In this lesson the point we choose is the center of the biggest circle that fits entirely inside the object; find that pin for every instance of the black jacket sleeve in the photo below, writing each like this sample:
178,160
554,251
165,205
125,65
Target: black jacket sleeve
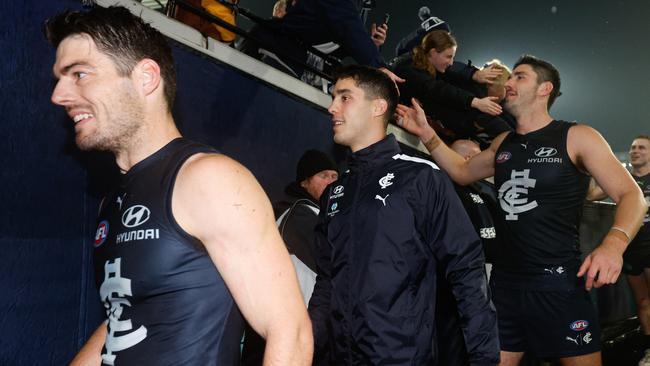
458,251
460,73
319,304
430,90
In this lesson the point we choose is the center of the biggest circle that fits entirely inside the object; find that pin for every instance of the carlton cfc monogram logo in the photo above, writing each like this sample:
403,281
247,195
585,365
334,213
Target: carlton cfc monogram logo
135,216
385,181
512,194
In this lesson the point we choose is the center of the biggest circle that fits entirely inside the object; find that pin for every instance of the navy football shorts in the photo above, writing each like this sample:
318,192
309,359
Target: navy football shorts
636,257
547,324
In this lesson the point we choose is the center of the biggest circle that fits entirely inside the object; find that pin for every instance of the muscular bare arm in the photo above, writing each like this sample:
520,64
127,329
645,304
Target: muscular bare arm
589,150
219,202
460,170
91,353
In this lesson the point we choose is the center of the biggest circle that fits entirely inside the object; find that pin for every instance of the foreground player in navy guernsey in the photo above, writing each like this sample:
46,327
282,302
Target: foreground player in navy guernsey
387,225
188,238
542,175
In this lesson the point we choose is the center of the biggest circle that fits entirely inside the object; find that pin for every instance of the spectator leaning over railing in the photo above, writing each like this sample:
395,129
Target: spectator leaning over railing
425,70
332,25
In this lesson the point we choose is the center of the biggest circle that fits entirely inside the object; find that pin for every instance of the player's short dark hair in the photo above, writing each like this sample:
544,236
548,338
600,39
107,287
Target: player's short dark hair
642,137
545,72
376,85
123,37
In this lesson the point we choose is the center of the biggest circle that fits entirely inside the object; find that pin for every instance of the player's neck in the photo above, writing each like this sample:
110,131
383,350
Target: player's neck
532,120
374,132
641,171
149,139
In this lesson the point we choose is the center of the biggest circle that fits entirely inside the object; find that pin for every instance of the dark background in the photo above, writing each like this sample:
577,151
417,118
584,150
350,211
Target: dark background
599,46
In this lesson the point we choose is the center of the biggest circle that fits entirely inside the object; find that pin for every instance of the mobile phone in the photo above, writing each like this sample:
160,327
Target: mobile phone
386,18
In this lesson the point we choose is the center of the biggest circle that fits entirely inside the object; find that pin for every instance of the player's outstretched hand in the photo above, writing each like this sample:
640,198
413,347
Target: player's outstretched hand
603,265
412,119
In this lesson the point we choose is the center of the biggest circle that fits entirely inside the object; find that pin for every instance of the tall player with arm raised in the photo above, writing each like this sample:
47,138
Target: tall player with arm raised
542,174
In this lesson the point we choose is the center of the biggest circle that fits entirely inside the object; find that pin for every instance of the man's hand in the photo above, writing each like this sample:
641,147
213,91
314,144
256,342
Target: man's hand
604,263
487,105
487,75
378,34
396,79
414,120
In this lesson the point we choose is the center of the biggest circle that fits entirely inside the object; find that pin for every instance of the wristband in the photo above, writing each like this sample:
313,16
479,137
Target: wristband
433,143
620,233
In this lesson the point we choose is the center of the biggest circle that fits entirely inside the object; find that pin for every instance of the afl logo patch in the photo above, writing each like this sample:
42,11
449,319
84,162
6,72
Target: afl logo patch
503,157
101,234
579,325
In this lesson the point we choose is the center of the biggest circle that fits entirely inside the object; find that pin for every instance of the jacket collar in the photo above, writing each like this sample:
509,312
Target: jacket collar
375,154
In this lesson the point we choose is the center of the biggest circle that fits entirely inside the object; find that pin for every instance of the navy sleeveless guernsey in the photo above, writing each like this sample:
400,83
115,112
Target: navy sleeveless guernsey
541,194
165,301
643,236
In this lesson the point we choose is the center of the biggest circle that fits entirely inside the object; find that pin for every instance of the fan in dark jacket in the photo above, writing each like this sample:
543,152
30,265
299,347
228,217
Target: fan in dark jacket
450,92
332,25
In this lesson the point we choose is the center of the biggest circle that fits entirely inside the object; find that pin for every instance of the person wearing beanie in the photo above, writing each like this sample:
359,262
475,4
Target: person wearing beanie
297,217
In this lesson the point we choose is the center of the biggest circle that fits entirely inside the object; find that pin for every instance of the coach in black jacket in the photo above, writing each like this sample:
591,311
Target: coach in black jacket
386,227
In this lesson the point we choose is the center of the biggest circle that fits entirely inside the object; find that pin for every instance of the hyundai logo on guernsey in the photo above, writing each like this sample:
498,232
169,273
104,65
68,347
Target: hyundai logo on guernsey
135,216
545,152
503,157
579,325
545,155
101,234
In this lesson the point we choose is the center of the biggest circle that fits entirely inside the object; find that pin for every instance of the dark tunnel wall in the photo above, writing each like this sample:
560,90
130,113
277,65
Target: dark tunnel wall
50,191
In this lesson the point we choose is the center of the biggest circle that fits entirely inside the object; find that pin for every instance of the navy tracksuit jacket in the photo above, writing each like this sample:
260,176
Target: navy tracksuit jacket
388,226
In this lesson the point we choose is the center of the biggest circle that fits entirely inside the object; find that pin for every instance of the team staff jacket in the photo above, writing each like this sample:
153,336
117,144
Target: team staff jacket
297,218
165,300
386,226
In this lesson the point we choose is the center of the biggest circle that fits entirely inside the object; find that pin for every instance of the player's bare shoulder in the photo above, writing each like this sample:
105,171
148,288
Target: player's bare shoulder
212,188
582,138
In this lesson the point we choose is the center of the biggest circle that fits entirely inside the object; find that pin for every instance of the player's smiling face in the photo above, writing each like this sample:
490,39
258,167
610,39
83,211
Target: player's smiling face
351,112
104,106
521,88
640,153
